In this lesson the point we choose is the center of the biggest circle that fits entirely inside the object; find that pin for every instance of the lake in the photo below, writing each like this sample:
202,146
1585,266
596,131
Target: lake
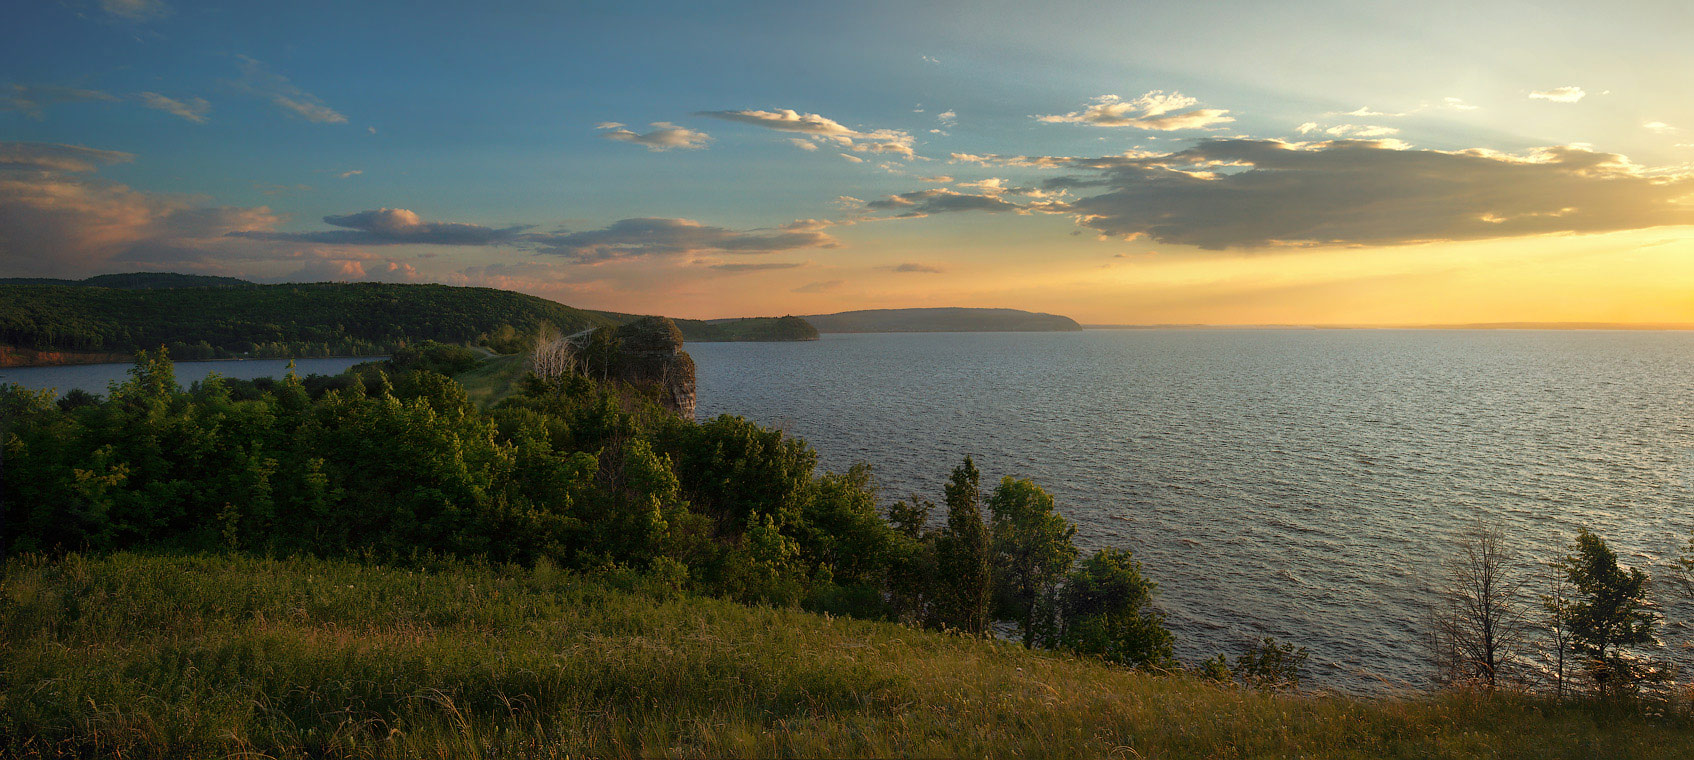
1304,484
96,378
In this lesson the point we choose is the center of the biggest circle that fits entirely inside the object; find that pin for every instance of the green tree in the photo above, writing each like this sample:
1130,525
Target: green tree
1272,665
1032,551
1106,609
963,580
1609,613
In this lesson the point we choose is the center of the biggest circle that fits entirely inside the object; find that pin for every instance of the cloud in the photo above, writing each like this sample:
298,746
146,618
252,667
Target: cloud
1659,127
342,266
54,157
1457,104
1348,130
259,80
806,145
351,173
916,268
920,203
1365,112
947,118
656,237
33,99
761,267
1247,193
192,109
395,226
58,220
1559,94
823,129
824,286
851,157
135,10
665,136
1155,110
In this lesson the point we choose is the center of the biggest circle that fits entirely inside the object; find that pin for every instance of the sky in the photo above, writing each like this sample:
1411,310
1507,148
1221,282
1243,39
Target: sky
1121,163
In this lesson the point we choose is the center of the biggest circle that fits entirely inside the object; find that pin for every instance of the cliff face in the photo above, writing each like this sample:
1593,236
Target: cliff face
650,354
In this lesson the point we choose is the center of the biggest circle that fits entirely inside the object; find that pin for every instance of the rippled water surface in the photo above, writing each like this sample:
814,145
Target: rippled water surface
1302,483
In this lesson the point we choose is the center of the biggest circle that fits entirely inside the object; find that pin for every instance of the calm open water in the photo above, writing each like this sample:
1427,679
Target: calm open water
1297,483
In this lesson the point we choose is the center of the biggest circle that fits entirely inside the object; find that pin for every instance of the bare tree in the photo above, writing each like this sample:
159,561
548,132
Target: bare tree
553,356
1554,653
1477,623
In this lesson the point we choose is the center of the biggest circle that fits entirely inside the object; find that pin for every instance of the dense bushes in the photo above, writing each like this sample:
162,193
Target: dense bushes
392,461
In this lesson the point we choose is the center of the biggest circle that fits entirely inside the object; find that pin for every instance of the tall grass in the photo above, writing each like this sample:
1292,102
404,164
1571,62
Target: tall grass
193,656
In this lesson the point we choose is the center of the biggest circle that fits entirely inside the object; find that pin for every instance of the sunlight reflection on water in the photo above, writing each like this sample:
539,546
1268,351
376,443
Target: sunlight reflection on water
1296,483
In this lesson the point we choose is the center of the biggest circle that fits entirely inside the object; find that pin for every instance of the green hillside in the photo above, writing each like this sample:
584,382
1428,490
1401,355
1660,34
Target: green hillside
941,320
737,329
134,280
231,656
270,320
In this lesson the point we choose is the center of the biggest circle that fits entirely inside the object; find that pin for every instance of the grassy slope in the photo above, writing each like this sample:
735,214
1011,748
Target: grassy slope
212,656
495,378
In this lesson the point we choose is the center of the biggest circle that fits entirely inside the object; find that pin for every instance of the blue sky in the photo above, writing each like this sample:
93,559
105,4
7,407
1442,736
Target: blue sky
793,157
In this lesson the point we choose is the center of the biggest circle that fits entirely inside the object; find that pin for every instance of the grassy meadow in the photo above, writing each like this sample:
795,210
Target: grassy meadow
134,655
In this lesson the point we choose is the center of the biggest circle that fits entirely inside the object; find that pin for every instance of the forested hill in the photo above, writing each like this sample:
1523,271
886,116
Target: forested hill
733,330
318,319
135,281
941,320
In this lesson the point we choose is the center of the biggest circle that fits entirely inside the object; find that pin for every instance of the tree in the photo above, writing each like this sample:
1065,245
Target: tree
1555,603
1477,624
1610,611
1032,551
912,566
1106,609
1272,665
962,556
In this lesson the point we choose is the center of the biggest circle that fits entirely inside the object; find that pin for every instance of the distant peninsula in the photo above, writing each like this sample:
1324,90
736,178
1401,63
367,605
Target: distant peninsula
941,320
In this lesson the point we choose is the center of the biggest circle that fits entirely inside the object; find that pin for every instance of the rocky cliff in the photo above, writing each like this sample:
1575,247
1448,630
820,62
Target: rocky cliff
649,354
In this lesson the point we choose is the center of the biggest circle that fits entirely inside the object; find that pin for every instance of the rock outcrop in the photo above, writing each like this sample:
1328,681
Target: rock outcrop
649,354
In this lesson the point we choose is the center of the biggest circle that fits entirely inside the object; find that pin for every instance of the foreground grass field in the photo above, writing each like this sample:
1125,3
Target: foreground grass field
213,656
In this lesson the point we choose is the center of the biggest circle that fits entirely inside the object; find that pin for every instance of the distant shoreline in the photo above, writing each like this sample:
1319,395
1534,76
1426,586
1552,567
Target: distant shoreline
1563,326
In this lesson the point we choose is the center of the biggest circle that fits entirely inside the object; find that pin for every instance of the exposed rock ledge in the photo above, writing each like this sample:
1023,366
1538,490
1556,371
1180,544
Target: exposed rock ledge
650,354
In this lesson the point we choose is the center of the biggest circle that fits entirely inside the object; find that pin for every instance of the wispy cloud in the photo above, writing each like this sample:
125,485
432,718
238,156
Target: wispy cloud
664,136
823,129
135,10
658,237
33,99
759,267
56,157
824,286
1156,110
258,79
395,226
192,109
1348,130
1559,94
920,203
56,219
916,268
